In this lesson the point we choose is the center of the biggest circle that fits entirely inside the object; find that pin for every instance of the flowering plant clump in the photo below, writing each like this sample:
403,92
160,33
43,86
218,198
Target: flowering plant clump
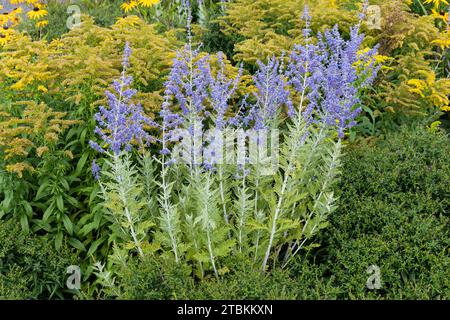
35,10
207,206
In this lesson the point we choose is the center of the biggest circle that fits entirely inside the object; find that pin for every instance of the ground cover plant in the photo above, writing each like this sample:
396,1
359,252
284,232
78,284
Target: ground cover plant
175,149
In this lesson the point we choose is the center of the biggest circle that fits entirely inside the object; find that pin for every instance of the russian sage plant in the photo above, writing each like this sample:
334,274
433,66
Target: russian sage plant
119,125
203,199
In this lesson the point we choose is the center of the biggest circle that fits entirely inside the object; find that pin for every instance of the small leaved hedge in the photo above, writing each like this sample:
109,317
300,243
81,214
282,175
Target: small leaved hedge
30,266
394,213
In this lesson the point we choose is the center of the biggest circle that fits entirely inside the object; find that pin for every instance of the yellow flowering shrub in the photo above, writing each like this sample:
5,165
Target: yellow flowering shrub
33,132
427,86
407,43
130,5
79,67
269,27
25,66
409,83
8,21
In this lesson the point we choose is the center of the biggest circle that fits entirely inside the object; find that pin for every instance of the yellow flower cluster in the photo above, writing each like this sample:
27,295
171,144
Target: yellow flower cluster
436,3
130,5
434,90
8,20
271,27
78,67
444,37
379,60
35,131
440,14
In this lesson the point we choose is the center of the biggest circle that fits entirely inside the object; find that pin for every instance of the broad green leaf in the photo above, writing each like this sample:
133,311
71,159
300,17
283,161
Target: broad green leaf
95,245
60,203
80,164
58,240
24,223
77,244
67,224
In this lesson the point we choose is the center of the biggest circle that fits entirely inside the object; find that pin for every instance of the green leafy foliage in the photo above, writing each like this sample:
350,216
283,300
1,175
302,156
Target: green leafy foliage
159,229
394,213
31,267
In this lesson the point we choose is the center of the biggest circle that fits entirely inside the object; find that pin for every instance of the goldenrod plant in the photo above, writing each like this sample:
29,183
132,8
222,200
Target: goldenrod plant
78,67
31,137
30,128
412,83
266,27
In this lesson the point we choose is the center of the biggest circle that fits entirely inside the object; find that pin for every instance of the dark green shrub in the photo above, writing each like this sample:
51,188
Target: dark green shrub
394,213
30,267
155,279
246,282
147,279
104,12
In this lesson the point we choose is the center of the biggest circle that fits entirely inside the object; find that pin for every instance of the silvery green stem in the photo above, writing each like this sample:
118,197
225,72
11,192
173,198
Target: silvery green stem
257,172
328,180
123,198
242,207
167,209
222,195
293,151
207,223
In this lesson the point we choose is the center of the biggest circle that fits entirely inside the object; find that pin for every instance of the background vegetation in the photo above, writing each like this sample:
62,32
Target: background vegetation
393,206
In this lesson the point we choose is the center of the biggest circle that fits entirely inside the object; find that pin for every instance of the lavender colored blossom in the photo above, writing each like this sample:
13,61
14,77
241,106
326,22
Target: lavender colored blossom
221,89
363,13
195,98
307,18
186,91
121,122
342,81
271,94
331,77
242,117
96,170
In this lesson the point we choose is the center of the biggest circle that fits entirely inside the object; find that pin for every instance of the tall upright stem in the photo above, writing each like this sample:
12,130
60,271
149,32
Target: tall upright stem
293,150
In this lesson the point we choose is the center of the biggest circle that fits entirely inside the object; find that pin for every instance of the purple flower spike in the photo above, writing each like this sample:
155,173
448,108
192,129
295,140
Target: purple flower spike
95,170
330,75
122,122
221,90
271,96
